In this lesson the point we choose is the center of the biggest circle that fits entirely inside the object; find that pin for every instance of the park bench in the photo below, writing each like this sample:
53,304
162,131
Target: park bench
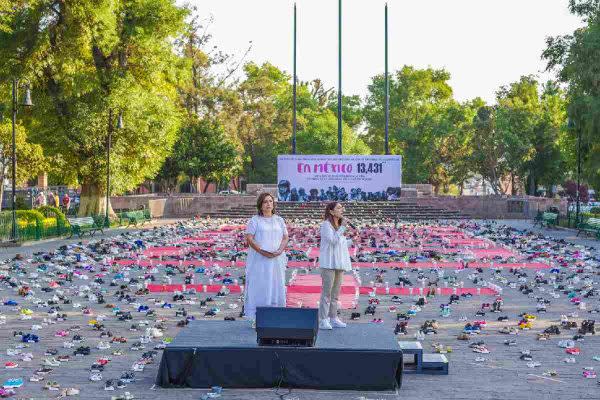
135,217
591,225
82,225
547,219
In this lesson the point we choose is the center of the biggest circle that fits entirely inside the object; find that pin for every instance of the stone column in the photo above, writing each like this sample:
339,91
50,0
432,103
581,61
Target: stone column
42,180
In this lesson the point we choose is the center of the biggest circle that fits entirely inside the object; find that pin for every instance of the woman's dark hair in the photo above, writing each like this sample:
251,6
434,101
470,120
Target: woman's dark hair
328,216
261,199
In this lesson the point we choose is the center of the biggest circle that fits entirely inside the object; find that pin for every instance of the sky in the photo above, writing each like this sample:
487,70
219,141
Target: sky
483,44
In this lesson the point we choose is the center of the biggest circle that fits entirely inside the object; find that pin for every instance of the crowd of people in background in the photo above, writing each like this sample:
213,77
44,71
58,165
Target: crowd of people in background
54,199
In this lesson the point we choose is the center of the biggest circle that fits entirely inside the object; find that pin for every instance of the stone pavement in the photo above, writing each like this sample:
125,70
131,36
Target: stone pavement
570,235
502,375
29,248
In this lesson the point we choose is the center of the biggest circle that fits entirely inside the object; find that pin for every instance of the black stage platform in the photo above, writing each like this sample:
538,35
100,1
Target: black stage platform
225,353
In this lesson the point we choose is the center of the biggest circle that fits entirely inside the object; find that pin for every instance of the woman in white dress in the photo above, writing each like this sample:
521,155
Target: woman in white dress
334,260
267,237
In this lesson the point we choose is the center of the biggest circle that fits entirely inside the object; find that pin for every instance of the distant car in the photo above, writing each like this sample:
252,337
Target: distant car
228,192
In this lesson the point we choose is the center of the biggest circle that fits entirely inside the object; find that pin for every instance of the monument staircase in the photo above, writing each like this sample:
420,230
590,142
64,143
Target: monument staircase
390,210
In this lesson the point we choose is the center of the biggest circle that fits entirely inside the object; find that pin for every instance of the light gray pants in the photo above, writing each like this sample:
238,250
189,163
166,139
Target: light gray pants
332,282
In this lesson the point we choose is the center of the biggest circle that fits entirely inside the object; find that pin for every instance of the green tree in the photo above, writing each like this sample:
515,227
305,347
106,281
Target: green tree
352,109
423,117
89,61
549,164
30,157
517,116
319,135
530,124
488,159
264,119
204,151
168,175
576,58
460,144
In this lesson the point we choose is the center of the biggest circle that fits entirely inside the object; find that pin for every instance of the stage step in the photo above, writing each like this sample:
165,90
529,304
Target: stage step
368,210
434,364
416,350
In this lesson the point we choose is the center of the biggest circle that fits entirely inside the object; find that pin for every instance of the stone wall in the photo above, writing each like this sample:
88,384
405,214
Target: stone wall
197,205
423,189
494,207
154,203
180,206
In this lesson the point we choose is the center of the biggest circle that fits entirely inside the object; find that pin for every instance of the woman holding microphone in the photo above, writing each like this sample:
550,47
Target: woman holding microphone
334,260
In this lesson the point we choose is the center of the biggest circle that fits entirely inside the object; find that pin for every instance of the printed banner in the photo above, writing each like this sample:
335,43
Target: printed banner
338,178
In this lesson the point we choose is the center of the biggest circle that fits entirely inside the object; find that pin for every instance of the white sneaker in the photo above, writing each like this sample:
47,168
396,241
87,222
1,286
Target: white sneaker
138,367
96,377
336,323
325,324
51,362
103,346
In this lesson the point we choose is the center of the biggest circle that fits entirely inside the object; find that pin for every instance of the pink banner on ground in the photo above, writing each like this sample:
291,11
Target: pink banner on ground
526,265
437,249
415,291
156,288
215,233
493,252
469,242
195,240
170,250
230,228
404,264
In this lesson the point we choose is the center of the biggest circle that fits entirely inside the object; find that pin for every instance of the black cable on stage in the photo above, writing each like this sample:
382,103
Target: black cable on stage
281,377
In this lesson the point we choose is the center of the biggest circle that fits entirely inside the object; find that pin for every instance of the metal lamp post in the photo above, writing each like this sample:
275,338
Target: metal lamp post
15,107
108,146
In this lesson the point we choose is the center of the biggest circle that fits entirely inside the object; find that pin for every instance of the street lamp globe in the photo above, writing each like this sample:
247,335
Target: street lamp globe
120,124
27,99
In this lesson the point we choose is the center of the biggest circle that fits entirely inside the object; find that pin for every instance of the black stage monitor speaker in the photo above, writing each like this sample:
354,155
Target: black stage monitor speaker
279,326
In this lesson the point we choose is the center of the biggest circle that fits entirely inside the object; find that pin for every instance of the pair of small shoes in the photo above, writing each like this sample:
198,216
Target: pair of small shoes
481,349
13,383
589,373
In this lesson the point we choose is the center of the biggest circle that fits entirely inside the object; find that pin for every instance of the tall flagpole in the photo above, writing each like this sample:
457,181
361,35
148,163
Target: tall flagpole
294,89
339,76
387,87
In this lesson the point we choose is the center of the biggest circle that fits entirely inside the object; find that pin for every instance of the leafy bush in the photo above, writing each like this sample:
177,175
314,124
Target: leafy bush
30,216
595,210
54,213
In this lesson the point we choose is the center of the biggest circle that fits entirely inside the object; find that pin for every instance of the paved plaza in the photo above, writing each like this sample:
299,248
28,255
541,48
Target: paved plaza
101,279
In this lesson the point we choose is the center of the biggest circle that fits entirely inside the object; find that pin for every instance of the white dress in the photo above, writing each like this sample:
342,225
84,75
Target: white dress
265,277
